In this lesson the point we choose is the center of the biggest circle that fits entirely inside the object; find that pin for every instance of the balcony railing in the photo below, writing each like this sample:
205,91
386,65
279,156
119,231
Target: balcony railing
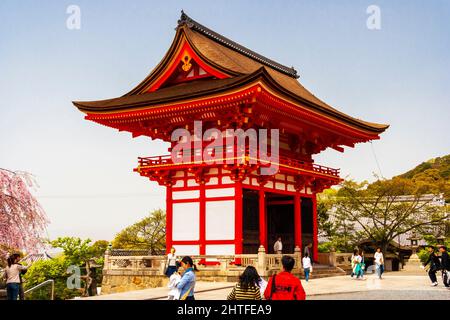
283,161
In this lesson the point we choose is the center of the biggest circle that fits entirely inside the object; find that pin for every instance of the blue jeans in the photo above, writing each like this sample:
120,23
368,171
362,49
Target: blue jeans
12,291
380,270
306,270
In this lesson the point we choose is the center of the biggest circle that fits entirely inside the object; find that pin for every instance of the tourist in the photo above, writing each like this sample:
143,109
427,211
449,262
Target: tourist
278,246
175,278
352,262
379,262
306,262
308,250
247,288
434,262
362,266
357,263
187,282
12,276
445,266
171,263
285,286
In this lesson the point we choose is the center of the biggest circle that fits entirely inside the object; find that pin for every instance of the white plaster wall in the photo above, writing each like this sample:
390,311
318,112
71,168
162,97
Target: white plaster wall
179,184
226,180
223,192
186,219
186,250
220,220
222,249
280,186
213,181
191,194
192,183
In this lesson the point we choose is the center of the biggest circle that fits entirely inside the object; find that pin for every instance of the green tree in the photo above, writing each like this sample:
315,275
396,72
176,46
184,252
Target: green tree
76,250
148,233
381,217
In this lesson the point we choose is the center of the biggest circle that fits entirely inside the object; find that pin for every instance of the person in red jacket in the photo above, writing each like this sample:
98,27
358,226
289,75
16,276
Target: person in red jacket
286,286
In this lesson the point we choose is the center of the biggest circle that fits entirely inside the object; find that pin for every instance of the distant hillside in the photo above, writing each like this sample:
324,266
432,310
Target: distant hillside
440,166
435,173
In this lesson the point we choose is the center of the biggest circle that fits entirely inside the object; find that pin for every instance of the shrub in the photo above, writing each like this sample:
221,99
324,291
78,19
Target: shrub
55,269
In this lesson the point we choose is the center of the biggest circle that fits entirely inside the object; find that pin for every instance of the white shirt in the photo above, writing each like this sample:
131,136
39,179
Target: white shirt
173,281
306,262
171,260
378,258
278,246
12,274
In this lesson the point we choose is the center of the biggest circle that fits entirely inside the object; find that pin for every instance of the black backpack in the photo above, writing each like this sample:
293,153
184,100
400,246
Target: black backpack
273,288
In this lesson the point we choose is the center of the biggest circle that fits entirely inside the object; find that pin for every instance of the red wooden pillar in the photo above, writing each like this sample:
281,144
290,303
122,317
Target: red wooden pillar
262,220
298,220
238,220
315,229
202,225
169,218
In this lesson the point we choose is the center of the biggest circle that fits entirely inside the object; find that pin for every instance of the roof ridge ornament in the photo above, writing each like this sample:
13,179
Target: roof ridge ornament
185,20
192,24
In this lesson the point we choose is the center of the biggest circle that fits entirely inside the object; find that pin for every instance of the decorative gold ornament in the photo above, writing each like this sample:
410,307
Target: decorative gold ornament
187,65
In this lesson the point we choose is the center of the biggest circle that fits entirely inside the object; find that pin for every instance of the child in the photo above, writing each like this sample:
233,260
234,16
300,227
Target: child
174,293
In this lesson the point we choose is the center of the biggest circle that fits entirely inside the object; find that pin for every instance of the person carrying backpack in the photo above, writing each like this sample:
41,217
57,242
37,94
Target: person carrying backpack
285,286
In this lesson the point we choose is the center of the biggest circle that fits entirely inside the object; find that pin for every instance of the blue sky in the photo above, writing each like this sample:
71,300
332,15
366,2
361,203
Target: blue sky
397,75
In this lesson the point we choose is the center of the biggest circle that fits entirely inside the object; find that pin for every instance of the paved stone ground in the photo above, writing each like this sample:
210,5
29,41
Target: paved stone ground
393,286
443,294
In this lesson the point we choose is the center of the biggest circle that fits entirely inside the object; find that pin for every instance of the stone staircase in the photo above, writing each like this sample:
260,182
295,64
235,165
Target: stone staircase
322,271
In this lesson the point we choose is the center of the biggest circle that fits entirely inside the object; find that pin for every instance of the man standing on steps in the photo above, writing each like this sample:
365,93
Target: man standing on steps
278,246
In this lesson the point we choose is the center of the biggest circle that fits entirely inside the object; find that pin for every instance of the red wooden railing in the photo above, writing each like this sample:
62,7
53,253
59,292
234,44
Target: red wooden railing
283,160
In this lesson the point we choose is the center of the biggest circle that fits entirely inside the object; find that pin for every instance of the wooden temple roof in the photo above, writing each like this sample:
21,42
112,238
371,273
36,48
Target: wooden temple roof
232,65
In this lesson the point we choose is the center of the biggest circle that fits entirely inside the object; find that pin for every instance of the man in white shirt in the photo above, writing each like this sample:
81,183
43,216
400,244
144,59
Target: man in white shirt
278,246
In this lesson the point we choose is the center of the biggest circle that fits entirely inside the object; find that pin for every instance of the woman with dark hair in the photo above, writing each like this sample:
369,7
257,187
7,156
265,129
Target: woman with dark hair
187,282
247,288
12,276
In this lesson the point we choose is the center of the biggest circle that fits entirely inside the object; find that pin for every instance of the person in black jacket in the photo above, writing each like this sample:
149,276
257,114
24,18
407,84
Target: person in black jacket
434,262
445,265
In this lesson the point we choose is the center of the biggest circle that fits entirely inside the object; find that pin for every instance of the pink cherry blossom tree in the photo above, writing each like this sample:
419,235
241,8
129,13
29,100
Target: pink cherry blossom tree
22,219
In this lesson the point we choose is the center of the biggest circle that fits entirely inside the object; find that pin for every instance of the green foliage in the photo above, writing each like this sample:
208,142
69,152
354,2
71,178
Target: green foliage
325,246
423,255
441,164
55,269
433,176
149,233
76,250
